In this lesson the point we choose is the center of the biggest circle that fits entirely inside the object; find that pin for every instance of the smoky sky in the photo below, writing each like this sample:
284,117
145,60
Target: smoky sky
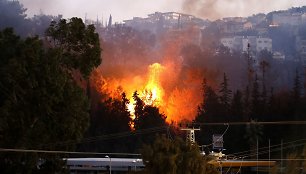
119,9
127,9
216,9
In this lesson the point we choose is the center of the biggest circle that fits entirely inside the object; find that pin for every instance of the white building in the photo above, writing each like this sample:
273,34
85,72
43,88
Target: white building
239,43
263,44
164,21
228,42
278,56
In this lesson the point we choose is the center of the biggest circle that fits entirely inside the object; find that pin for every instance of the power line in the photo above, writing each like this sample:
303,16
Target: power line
266,147
289,145
64,152
247,123
278,149
106,137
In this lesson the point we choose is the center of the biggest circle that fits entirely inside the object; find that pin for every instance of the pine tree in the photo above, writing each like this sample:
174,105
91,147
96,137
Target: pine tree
250,65
139,106
237,107
247,104
209,110
263,102
225,95
296,97
255,111
297,89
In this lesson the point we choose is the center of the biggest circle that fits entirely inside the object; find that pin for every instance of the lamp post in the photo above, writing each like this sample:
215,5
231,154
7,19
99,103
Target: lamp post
134,161
110,164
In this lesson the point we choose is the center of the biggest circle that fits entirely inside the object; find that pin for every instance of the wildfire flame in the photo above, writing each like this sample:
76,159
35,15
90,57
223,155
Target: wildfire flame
158,87
173,84
152,93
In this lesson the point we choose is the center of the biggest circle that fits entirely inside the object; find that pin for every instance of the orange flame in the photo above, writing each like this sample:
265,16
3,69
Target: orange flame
153,92
156,88
173,85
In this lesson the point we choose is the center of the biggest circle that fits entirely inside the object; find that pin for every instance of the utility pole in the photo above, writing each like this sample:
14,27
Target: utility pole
257,154
282,156
190,135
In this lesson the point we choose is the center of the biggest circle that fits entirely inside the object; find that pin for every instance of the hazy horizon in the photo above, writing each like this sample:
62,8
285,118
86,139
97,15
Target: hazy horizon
127,9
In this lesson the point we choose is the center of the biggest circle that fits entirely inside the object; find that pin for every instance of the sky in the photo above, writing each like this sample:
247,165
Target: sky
127,9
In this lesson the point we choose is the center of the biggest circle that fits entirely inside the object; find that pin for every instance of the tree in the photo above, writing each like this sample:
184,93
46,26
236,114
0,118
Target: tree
110,116
250,65
41,104
209,110
147,116
247,104
139,105
225,95
256,110
174,157
264,64
237,107
297,89
77,45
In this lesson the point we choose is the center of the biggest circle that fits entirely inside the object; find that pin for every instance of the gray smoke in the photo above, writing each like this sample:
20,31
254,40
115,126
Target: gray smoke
216,9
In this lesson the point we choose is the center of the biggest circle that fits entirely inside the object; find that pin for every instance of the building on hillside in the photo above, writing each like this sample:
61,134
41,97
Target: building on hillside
301,49
232,27
233,43
249,40
286,18
263,44
157,22
234,19
240,43
247,25
228,42
257,19
304,18
278,56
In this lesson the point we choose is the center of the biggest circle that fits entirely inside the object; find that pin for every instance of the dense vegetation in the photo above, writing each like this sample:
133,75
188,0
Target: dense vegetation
41,103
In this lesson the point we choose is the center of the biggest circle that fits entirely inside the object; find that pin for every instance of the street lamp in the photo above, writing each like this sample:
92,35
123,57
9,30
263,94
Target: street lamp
134,161
110,164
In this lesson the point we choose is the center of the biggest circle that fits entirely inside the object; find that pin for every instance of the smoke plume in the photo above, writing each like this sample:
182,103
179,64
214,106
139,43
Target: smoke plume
216,9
